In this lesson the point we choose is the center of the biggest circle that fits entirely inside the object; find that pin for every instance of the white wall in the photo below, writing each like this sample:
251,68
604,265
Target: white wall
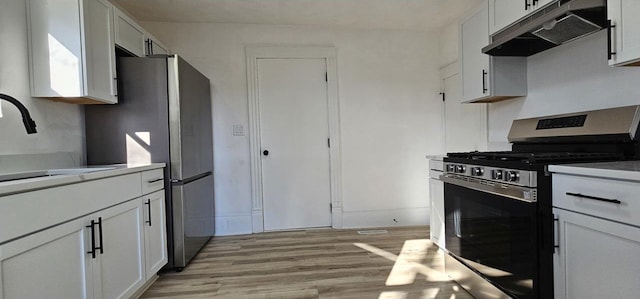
59,125
449,43
390,118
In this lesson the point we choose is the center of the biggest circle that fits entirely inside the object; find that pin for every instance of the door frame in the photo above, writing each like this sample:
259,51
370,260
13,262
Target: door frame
328,53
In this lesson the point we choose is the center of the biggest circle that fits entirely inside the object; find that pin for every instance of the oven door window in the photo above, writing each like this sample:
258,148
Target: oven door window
494,235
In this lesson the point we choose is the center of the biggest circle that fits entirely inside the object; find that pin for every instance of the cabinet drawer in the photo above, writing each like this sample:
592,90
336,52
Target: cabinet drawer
628,193
152,180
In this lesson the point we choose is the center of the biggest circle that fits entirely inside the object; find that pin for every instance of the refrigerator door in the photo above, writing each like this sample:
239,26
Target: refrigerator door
192,217
189,121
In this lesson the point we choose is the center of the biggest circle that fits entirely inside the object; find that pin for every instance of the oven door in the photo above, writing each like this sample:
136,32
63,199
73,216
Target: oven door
493,233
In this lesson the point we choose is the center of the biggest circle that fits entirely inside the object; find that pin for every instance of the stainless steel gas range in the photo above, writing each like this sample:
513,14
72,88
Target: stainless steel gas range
498,220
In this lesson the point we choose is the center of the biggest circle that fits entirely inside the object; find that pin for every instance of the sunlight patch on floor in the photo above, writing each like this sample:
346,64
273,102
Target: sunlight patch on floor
393,295
409,263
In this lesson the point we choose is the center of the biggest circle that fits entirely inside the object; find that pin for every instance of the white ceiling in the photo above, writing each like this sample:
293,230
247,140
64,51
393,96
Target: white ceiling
369,14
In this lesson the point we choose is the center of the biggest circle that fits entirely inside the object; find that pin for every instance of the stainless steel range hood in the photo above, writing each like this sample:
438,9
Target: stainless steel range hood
560,22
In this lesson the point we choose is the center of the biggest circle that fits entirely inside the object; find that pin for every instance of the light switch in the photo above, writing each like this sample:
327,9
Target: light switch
238,130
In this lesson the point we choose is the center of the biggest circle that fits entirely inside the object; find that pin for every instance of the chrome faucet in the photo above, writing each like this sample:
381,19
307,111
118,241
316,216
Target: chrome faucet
29,124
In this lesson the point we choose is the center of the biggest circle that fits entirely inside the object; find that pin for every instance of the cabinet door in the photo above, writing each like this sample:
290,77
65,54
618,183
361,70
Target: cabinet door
49,264
436,193
119,270
71,50
155,233
100,60
474,34
624,36
154,47
129,35
596,258
504,12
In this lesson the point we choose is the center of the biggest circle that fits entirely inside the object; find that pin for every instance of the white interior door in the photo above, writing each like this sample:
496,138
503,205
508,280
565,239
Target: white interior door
465,125
294,140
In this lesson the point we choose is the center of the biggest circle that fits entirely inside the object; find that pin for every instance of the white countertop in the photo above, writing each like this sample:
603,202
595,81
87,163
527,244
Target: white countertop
621,170
435,157
25,185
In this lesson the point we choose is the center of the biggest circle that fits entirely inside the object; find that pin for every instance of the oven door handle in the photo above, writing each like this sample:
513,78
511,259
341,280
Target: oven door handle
516,192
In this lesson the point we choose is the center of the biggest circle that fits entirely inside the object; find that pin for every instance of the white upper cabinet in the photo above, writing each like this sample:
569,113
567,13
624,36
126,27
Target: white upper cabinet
505,12
486,78
624,44
71,50
154,46
129,35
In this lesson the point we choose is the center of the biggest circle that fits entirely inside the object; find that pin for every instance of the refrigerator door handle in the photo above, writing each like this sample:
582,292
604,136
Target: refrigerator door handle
190,179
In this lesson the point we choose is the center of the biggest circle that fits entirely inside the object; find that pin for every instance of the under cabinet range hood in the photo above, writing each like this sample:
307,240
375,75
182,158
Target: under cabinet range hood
560,22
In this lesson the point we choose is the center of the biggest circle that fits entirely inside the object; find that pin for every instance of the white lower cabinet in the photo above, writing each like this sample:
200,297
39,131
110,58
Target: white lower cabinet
119,269
596,258
436,229
155,234
97,256
107,252
50,264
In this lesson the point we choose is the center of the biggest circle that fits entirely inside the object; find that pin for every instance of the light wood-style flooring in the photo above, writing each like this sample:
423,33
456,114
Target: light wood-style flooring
322,263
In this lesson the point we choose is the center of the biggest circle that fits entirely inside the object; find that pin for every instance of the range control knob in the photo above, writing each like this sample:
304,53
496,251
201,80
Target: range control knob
496,174
451,168
512,176
461,169
477,171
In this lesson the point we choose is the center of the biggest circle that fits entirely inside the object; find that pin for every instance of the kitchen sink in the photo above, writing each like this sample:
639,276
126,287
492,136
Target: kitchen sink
48,173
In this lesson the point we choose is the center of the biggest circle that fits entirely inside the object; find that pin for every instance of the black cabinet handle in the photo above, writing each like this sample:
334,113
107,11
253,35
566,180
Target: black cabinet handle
154,180
93,240
148,203
100,235
526,5
610,51
484,82
147,43
556,233
594,198
535,2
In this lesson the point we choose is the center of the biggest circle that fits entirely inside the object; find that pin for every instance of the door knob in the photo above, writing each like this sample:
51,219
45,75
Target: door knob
265,152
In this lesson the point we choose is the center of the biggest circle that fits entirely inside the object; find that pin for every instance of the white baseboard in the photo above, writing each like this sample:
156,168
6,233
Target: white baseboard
232,225
386,218
226,225
336,217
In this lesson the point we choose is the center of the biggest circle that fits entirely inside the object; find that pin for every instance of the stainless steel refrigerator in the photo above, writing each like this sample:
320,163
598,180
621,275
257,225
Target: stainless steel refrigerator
163,115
